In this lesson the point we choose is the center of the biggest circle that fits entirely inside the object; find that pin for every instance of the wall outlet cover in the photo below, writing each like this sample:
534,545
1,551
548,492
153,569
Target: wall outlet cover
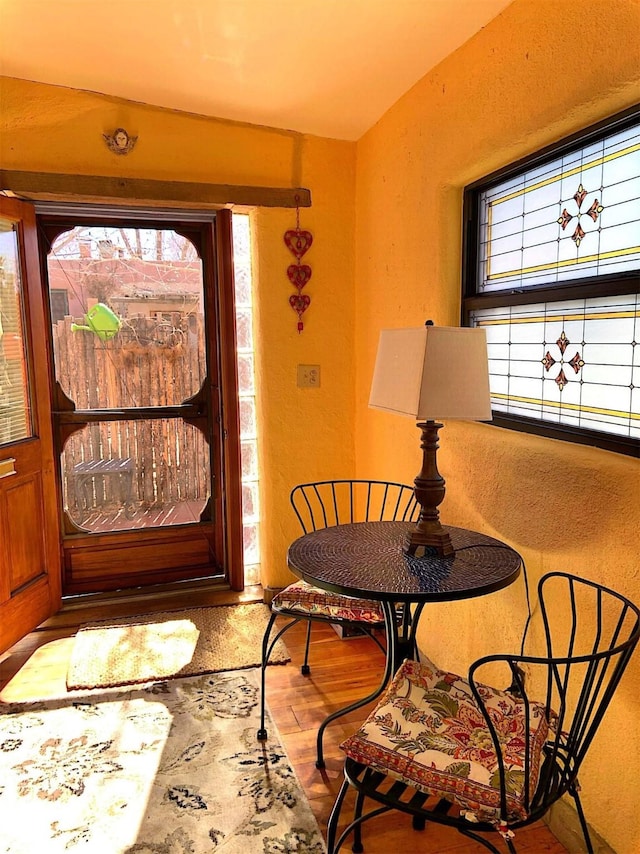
308,376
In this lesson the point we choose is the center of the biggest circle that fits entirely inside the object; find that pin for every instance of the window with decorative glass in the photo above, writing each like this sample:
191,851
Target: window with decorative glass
552,273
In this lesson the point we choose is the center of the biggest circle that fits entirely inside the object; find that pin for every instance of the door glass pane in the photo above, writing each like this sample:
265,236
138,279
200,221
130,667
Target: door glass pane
133,334
127,309
15,404
119,475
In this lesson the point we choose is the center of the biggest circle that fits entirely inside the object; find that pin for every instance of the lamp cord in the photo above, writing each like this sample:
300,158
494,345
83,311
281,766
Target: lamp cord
526,584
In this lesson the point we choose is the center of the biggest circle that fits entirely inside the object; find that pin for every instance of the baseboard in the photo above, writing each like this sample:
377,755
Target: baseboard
269,593
563,822
346,632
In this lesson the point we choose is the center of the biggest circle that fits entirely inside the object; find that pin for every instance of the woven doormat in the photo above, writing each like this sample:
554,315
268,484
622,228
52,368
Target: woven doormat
170,644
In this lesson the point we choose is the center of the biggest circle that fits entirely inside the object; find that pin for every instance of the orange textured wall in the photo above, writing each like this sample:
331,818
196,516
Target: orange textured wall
535,74
304,433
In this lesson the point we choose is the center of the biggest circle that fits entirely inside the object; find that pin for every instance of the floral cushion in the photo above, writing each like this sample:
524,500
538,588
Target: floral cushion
302,598
429,732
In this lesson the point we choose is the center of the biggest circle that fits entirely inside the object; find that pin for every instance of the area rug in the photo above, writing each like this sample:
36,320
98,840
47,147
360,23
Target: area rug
171,768
170,644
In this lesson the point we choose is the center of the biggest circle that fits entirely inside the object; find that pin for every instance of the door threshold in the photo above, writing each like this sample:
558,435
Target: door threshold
204,592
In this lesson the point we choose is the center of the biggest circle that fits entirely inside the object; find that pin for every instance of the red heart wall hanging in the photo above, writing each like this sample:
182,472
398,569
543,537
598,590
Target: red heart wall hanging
298,241
299,303
299,274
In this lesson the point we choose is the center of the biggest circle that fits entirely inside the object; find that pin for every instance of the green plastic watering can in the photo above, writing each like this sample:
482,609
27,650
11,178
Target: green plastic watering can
101,321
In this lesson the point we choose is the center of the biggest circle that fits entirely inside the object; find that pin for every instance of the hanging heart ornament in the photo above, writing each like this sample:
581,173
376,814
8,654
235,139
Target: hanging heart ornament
298,241
299,274
299,303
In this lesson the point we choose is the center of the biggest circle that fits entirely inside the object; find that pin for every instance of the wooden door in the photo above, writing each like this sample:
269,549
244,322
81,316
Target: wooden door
145,406
30,588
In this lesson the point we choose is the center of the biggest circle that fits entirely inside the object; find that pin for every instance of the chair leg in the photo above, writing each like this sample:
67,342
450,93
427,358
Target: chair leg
334,818
262,732
305,669
357,830
511,847
268,644
353,827
573,791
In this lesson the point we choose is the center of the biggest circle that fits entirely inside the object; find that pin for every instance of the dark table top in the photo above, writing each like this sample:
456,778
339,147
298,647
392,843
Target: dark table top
366,560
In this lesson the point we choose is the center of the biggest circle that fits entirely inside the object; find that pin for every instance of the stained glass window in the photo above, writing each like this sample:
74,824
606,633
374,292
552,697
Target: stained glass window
552,257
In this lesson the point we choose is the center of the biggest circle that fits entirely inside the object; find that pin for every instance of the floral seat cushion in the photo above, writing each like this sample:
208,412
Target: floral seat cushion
428,731
303,598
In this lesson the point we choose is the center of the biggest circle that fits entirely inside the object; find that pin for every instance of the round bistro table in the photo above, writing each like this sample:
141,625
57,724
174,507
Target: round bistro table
367,560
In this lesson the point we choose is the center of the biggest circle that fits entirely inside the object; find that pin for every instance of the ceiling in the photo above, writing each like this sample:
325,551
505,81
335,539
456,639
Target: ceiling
325,67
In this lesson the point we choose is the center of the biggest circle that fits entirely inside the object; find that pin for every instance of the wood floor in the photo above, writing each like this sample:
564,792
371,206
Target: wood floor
341,672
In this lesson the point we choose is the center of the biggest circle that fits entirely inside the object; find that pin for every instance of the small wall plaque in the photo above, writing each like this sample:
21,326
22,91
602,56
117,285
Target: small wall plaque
120,142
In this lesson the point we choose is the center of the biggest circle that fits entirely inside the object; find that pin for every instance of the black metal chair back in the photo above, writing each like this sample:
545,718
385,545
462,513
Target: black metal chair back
590,632
324,504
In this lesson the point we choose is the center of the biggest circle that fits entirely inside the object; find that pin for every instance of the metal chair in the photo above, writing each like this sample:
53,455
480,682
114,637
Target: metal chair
323,504
457,752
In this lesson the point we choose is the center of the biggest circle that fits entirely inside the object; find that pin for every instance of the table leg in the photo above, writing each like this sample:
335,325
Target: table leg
391,628
405,634
401,644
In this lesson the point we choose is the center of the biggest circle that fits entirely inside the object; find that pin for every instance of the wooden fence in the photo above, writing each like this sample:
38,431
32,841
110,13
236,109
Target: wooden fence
147,363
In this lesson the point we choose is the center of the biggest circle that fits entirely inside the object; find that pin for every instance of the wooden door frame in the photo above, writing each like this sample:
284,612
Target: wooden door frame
219,286
39,596
230,409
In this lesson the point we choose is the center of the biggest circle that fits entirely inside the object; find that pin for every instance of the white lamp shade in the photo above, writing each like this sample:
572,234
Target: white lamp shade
432,373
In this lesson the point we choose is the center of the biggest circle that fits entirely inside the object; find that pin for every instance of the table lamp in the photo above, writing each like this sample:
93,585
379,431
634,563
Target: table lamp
432,373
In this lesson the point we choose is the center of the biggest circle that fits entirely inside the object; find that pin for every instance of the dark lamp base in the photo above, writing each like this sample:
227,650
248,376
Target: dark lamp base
428,535
433,542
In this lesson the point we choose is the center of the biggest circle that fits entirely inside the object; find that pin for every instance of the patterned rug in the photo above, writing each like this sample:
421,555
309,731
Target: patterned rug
173,768
170,644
